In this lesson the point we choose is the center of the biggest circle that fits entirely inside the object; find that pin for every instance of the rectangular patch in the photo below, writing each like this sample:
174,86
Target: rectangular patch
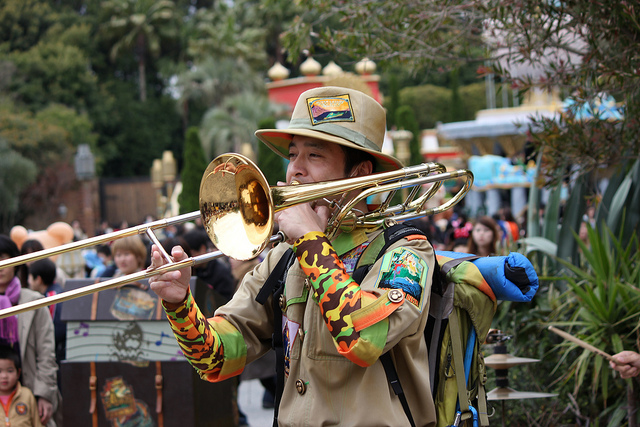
330,109
289,334
404,269
351,258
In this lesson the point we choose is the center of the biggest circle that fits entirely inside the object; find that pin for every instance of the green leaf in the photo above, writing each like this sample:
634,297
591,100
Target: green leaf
572,218
603,210
533,224
618,203
552,214
540,244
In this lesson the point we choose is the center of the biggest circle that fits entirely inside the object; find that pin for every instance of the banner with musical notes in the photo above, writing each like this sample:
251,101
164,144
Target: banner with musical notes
132,341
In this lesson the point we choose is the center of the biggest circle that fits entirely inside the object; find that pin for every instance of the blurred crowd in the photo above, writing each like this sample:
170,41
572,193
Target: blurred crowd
42,347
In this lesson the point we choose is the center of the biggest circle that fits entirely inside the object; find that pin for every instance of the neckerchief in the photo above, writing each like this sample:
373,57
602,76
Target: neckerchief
9,325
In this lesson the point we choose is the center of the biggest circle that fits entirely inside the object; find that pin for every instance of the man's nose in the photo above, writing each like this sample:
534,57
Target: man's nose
297,167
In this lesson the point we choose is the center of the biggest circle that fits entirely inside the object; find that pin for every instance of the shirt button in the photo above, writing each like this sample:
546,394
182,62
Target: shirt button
307,283
395,295
301,387
282,302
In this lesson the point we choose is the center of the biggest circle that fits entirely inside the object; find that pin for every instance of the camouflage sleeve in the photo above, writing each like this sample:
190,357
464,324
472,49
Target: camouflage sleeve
341,301
214,347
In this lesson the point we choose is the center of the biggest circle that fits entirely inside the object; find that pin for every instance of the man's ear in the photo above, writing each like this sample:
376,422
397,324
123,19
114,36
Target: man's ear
362,168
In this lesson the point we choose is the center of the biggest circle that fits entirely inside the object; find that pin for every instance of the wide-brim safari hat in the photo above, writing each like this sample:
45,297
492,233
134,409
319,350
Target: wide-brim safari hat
343,116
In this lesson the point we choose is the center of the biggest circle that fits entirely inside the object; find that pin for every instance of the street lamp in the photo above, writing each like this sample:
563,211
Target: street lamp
401,139
85,168
163,173
158,183
168,175
85,164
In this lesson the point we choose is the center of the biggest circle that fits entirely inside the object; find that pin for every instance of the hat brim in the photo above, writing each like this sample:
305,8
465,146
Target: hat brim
278,140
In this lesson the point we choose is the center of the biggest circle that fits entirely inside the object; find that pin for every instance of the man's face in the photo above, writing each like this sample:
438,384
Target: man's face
313,160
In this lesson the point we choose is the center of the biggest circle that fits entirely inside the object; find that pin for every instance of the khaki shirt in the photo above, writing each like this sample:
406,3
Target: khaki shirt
23,409
322,386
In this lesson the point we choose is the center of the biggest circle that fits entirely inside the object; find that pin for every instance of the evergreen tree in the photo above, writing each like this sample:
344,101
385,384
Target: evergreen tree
193,168
271,164
456,113
394,100
406,119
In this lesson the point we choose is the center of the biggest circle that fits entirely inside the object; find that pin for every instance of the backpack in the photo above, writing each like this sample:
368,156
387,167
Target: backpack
453,341
463,302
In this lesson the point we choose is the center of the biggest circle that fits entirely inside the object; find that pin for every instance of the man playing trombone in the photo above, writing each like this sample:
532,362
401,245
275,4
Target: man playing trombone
333,329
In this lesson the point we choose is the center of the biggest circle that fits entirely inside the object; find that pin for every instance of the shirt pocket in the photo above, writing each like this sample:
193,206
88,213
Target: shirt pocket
318,342
296,294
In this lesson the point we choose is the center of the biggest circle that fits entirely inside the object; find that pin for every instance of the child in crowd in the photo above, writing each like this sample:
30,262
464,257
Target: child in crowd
42,278
107,268
19,406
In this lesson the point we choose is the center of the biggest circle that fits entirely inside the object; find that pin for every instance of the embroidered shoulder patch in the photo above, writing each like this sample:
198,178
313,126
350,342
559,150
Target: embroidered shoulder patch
404,269
21,408
330,109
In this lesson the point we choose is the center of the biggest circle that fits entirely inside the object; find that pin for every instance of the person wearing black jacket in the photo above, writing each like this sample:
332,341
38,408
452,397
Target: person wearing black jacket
215,273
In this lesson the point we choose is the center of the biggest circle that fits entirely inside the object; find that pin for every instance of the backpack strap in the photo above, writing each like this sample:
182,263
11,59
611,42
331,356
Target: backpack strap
371,254
274,285
458,363
394,381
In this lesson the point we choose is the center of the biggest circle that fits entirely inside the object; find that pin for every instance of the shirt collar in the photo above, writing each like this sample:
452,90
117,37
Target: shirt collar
344,242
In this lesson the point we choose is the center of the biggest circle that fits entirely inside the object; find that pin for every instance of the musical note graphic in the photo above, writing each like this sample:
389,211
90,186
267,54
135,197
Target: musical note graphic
81,327
162,335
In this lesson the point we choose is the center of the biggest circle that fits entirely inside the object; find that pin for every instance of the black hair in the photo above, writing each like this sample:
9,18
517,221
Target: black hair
196,238
8,247
353,157
170,242
9,353
30,246
45,269
103,249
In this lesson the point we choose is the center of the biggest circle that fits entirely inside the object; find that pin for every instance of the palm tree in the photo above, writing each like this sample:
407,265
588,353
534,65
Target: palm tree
226,127
209,82
139,26
220,32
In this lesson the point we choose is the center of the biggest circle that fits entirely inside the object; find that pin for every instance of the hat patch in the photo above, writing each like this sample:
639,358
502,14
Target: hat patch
328,109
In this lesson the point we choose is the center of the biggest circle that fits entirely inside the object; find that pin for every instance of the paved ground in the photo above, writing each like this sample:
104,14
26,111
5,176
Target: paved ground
250,402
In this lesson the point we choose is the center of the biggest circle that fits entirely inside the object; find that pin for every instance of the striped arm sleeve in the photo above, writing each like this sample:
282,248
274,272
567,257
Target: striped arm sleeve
341,300
214,347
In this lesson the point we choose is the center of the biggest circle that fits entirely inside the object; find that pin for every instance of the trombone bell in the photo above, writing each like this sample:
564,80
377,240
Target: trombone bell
236,206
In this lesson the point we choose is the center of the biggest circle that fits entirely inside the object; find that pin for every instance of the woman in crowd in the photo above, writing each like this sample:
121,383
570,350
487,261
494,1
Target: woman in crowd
484,237
130,255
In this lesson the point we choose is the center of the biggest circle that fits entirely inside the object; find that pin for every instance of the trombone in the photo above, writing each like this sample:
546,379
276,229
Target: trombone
237,206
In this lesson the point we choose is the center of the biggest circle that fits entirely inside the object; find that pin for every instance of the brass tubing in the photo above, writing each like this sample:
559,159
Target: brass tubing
92,241
115,282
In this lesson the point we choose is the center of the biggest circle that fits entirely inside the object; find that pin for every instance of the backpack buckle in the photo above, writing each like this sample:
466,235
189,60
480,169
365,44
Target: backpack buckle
456,421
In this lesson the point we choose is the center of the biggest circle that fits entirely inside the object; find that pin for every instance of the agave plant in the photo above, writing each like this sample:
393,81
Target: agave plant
602,307
619,209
